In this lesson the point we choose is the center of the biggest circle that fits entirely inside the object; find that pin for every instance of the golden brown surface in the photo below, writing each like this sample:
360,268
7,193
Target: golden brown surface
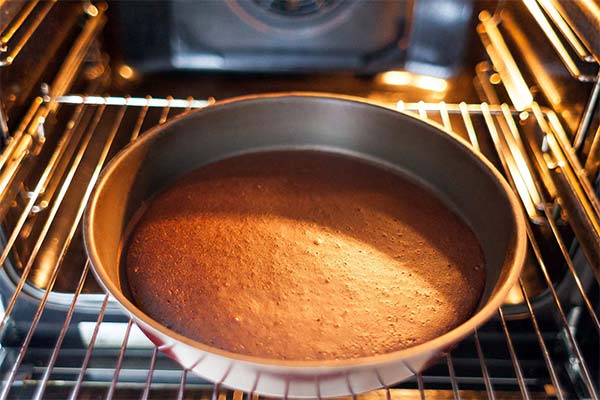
303,256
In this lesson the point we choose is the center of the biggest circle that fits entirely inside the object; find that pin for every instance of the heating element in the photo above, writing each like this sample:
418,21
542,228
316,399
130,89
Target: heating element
63,338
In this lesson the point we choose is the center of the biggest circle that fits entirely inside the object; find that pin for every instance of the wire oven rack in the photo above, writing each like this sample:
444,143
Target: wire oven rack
538,356
21,27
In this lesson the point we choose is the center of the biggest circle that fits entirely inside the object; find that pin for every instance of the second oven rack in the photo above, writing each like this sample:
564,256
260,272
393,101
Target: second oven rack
105,123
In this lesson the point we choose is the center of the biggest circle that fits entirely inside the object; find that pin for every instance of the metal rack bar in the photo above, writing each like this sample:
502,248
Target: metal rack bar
515,145
548,30
165,112
513,357
452,374
588,381
191,103
132,101
215,392
566,30
516,167
445,116
140,121
581,209
505,64
486,377
12,141
557,235
71,234
150,373
592,162
42,384
421,386
579,185
181,390
17,151
56,155
545,353
13,51
113,384
28,139
381,382
73,61
21,151
421,110
348,385
134,135
88,354
579,231
8,33
464,112
571,156
588,115
556,131
52,214
549,365
448,125
4,134
490,392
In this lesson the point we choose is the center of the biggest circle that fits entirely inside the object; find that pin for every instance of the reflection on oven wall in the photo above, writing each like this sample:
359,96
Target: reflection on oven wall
424,36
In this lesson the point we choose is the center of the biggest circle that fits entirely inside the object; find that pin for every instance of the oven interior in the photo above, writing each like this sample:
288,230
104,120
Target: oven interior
80,80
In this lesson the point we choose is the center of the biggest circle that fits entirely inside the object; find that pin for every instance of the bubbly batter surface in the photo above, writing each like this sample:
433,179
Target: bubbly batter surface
303,255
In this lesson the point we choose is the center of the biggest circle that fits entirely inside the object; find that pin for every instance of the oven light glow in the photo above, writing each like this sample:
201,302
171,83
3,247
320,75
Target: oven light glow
405,78
396,78
514,296
430,83
495,78
91,10
126,72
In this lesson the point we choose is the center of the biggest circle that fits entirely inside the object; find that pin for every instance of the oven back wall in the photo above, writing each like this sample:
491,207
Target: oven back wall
292,36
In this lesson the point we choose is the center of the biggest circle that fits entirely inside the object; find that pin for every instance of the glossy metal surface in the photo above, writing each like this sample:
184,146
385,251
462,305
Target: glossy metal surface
439,159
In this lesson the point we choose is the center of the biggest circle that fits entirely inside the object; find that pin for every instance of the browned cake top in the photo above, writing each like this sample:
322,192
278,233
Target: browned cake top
303,256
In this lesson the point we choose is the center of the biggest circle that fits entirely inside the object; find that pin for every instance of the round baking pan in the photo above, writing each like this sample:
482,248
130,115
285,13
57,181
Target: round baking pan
438,159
